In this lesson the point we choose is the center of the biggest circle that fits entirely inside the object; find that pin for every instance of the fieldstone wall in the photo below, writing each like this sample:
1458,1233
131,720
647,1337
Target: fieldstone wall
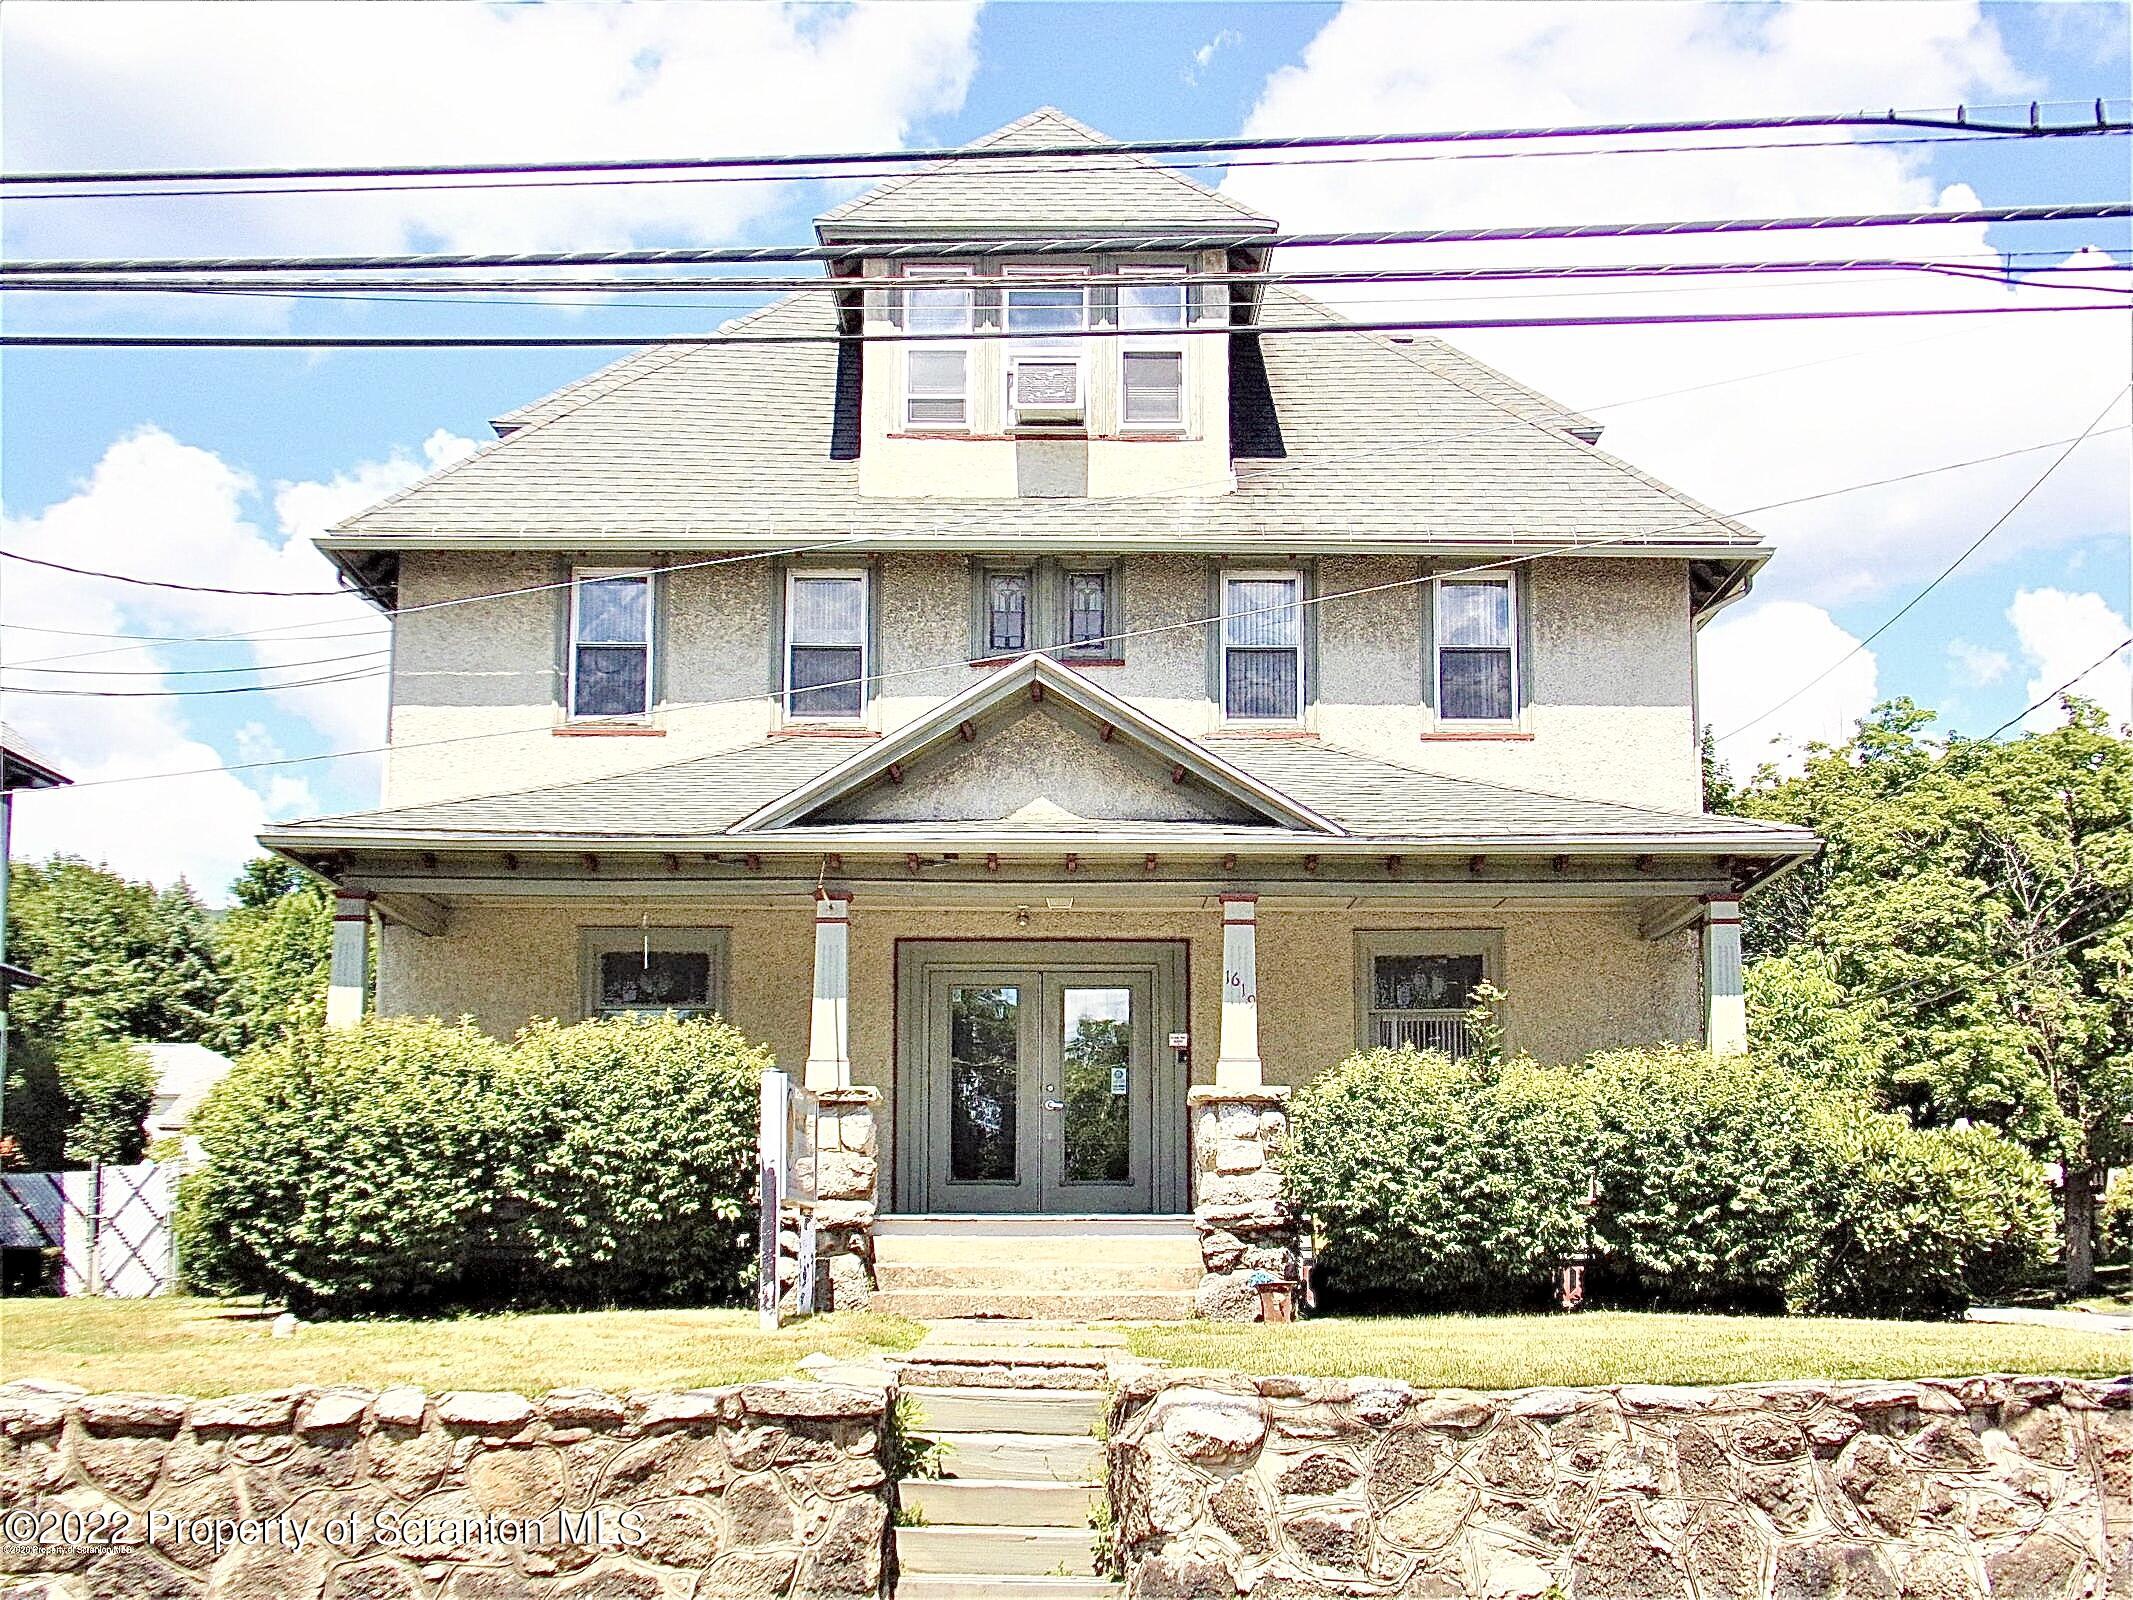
761,1490
1246,1227
847,1185
1295,1488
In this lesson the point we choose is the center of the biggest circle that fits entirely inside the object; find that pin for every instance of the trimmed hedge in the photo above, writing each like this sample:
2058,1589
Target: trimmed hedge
406,1161
1715,1183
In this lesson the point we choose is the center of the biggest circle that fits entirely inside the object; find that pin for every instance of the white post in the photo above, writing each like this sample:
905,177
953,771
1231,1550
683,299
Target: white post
772,1111
1725,996
1238,1065
348,977
829,1059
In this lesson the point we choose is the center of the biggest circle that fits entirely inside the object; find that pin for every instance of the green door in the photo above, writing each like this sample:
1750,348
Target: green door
1038,1089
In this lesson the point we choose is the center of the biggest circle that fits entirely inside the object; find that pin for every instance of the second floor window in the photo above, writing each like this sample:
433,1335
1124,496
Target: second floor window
825,645
1007,598
936,371
1088,608
1151,365
610,644
1477,655
1262,647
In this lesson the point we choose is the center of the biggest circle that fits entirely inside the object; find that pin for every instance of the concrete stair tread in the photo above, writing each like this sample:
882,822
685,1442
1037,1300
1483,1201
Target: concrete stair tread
985,1410
1046,1458
1097,1305
1040,1277
995,1550
1000,1502
990,1586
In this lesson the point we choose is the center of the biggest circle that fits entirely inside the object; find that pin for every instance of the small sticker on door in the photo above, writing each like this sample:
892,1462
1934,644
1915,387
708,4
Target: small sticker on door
1118,1080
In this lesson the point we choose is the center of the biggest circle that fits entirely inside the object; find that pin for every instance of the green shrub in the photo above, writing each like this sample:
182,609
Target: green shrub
1801,1020
348,1169
2114,1222
633,1156
1437,1184
69,1105
1707,1167
1917,1222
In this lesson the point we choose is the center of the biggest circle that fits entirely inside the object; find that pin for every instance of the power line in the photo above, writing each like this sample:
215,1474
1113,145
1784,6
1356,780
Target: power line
191,672
1968,550
1124,241
1092,164
179,341
2051,695
1959,123
166,583
167,694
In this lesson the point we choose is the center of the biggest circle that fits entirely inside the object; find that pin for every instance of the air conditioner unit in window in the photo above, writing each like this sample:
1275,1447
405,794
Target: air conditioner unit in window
1044,389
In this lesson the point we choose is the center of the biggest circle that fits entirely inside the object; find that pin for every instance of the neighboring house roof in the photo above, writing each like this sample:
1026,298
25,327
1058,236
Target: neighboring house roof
964,198
23,767
14,977
1364,443
772,794
184,1075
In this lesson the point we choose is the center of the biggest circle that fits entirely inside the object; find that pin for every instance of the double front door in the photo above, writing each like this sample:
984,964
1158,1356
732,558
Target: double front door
1034,1082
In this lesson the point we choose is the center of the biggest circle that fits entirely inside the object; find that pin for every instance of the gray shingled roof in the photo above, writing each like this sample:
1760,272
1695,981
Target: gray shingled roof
1381,445
965,197
1374,799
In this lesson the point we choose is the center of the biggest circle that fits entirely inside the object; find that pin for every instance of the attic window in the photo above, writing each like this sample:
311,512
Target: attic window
936,371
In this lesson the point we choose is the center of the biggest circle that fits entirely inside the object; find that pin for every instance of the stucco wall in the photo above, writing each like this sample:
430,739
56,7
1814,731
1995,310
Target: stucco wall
1609,696
1579,980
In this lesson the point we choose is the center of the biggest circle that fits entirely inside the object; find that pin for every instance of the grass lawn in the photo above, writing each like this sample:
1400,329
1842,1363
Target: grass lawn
213,1347
1606,1347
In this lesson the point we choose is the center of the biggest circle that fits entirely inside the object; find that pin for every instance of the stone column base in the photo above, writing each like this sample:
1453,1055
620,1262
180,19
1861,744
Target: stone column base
1247,1229
847,1177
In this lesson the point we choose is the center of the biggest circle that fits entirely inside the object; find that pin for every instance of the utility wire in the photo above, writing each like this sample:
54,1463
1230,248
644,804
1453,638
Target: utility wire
166,694
1124,241
1094,164
166,583
1968,550
2051,695
193,672
247,341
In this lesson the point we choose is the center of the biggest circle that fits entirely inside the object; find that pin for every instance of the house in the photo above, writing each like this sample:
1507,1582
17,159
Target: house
1057,706
185,1073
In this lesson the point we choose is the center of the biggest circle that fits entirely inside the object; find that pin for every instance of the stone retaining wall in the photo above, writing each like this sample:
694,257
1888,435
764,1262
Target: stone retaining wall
1295,1488
761,1490
1248,1230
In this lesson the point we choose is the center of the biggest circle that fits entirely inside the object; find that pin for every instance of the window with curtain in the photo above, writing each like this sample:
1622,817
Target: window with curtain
936,374
610,644
1088,608
1262,647
825,645
1007,598
1477,650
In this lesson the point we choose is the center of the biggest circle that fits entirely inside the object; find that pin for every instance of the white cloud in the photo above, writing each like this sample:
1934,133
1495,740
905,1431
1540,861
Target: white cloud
2061,635
1746,660
1865,400
1203,58
157,508
1975,664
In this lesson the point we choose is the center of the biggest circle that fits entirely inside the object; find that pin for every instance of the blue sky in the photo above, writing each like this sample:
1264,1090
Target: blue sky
246,446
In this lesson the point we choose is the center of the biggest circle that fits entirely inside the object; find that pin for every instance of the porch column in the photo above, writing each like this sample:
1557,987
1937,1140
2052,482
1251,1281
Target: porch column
829,1058
1238,1065
1725,997
348,975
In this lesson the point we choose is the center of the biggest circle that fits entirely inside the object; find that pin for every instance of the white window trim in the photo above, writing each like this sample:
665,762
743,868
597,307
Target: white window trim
928,277
1372,943
1509,579
786,714
1303,688
593,943
1075,343
1156,342
578,578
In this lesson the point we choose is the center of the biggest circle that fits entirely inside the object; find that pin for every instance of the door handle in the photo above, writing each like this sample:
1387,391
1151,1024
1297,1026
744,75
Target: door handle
1055,1105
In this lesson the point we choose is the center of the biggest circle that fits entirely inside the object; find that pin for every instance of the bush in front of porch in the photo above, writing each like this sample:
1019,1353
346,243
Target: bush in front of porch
1688,1181
407,1162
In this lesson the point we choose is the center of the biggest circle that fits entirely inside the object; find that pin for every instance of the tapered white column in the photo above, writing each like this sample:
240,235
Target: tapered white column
1725,995
348,974
829,1059
1238,1066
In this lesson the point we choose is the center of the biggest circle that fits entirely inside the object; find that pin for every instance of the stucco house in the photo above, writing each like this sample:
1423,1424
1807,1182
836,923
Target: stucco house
1056,706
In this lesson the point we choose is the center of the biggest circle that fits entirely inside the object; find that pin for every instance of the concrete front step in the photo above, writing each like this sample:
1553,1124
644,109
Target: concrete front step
974,1410
1090,1272
999,1502
1022,1458
1003,1367
990,1552
1081,1305
999,1586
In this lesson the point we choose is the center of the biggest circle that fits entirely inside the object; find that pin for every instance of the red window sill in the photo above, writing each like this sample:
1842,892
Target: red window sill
1477,736
609,733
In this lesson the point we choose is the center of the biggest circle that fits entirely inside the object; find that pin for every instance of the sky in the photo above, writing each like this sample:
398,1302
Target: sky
217,467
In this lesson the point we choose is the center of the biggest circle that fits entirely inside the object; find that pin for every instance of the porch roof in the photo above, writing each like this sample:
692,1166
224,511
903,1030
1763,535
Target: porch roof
1377,804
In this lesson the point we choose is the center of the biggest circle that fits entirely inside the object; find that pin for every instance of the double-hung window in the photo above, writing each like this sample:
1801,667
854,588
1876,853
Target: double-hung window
825,645
610,644
1262,647
1477,649
1151,315
936,371
1045,323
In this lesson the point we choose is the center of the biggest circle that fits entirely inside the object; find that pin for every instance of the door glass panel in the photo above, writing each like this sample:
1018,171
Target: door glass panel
984,1058
1098,1054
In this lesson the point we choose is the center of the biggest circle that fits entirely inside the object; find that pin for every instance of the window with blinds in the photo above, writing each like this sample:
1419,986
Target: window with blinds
610,644
1477,650
936,373
825,645
1262,647
1152,316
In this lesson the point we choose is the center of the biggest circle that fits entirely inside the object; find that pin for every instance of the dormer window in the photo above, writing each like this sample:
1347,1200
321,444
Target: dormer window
1151,314
936,371
1045,321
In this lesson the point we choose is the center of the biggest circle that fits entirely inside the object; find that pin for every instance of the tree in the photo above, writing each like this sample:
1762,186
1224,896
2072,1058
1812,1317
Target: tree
275,947
1981,895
